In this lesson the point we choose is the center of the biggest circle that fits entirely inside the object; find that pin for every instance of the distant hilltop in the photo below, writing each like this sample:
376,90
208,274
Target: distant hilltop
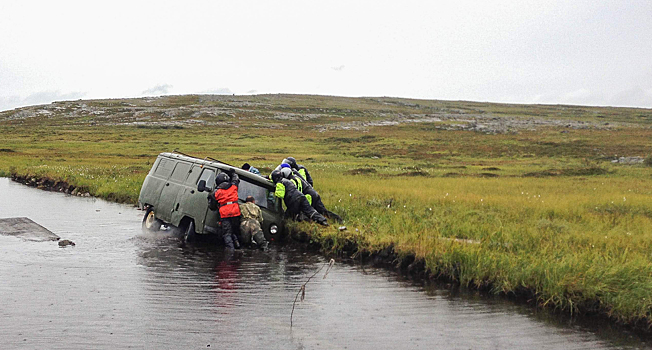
322,113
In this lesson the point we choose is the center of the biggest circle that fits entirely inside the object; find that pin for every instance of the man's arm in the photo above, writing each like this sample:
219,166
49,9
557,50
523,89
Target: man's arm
235,179
308,177
259,215
213,204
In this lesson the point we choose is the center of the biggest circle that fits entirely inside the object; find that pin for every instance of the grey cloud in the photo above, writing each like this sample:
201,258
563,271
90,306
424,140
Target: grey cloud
252,91
338,68
41,97
161,89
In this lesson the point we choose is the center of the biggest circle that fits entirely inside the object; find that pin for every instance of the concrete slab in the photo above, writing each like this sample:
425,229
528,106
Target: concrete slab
26,229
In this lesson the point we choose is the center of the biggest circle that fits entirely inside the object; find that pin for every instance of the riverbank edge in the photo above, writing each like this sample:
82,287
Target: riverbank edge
48,184
406,264
409,266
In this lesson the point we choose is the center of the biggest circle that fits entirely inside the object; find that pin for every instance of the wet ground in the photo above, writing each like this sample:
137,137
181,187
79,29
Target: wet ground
120,288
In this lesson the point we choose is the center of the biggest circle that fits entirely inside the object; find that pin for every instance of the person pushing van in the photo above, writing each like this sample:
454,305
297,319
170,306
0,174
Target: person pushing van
250,169
227,198
252,217
295,201
300,169
309,192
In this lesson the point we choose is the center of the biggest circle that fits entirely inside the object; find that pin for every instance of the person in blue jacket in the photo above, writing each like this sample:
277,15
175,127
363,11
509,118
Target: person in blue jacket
250,169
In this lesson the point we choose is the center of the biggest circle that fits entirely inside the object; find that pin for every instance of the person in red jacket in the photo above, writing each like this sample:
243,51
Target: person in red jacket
227,198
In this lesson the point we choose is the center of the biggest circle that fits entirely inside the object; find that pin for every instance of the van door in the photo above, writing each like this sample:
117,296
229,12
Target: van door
212,222
173,186
193,203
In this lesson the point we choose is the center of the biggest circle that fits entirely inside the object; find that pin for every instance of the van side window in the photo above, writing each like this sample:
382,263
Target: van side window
193,177
208,175
180,172
164,168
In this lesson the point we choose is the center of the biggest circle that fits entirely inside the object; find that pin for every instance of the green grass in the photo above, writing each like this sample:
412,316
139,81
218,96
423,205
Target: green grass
544,210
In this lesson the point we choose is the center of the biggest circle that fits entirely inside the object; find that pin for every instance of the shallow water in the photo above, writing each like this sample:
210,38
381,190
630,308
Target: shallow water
120,288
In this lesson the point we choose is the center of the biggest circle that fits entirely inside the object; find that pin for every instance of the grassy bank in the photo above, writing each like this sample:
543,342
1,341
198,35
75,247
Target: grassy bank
517,198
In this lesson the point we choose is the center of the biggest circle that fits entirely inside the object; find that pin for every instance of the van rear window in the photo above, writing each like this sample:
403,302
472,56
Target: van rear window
164,168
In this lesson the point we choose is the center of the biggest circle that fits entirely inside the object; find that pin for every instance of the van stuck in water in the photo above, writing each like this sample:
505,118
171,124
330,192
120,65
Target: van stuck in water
175,192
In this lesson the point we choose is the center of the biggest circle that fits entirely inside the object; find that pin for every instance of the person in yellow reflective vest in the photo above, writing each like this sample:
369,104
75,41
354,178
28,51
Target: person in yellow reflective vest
309,192
300,169
295,201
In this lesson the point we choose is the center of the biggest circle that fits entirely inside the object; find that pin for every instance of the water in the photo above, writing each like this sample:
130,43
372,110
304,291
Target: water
120,288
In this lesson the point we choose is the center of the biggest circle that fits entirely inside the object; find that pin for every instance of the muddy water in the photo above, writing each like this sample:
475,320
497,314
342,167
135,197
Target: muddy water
118,288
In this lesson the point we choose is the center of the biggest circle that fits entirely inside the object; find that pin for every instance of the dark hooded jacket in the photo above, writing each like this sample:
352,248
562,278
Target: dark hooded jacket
288,191
303,172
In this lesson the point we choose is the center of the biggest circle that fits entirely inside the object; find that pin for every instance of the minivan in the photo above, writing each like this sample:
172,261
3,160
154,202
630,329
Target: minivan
175,193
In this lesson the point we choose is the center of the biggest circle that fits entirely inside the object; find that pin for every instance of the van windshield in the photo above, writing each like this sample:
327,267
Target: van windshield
259,193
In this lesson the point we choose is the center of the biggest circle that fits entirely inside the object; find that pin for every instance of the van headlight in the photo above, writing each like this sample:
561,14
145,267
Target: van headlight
273,229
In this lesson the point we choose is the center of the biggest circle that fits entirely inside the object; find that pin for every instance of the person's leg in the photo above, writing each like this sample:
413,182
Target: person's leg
311,213
330,215
319,205
321,208
259,236
246,231
292,210
235,232
226,234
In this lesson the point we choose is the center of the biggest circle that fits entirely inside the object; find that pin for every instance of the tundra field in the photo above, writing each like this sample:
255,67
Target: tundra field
517,199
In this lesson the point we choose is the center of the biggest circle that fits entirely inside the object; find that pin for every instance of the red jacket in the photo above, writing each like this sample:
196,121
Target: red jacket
228,199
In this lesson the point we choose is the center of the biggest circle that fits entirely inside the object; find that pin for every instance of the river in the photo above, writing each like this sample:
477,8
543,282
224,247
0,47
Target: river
120,288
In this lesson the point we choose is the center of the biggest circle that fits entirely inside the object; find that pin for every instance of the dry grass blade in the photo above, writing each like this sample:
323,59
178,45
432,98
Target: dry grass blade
302,290
330,265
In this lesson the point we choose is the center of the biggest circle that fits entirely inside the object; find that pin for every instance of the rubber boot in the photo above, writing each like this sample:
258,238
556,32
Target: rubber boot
259,237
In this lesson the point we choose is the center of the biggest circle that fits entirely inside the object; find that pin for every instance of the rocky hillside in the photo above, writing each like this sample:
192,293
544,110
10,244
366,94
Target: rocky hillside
322,113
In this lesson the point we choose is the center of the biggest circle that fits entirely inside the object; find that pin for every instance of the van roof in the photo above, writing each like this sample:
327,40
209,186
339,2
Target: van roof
243,174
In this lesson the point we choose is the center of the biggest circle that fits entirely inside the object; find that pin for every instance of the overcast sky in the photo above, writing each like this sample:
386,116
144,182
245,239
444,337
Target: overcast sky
558,52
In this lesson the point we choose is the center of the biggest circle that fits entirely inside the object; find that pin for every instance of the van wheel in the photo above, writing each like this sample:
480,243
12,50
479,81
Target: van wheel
189,233
150,222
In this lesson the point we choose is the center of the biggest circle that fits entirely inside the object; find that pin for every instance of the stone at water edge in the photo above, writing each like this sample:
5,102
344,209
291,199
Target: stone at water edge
65,242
